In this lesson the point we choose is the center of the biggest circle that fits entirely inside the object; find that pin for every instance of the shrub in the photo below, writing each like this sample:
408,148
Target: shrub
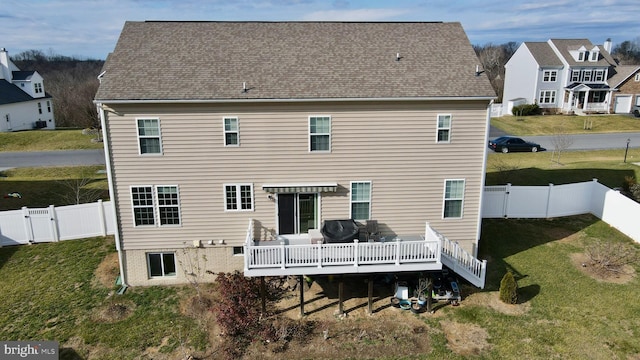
608,257
628,182
526,110
508,289
635,192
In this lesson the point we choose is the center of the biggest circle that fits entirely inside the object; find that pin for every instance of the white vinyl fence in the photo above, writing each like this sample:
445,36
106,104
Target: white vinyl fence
52,224
617,210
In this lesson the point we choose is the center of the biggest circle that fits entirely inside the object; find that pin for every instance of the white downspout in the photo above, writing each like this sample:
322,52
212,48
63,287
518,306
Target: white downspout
107,157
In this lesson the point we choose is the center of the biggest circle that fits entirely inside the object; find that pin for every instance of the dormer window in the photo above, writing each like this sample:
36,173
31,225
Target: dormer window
595,52
37,88
581,55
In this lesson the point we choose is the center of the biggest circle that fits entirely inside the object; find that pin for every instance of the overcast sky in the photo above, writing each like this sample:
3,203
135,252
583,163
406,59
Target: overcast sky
90,28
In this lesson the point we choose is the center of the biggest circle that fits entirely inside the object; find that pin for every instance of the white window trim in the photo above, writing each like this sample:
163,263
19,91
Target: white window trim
351,201
637,77
598,75
444,198
552,97
225,132
133,207
319,134
594,56
550,74
238,197
587,73
158,206
575,75
162,253
139,137
438,128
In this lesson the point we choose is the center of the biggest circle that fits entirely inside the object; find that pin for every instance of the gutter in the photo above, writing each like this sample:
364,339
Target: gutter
483,179
259,100
114,200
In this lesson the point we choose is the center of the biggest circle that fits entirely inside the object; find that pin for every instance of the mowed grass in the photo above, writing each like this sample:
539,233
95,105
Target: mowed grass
50,292
607,166
571,314
44,186
44,140
568,124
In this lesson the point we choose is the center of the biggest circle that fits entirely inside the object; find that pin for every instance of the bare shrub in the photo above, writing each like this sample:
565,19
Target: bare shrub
607,257
561,142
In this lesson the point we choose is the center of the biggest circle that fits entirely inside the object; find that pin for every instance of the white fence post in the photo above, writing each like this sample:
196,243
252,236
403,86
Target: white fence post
28,233
549,199
103,220
505,206
53,224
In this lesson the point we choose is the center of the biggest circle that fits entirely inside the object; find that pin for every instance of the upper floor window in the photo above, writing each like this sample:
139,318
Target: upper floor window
586,75
550,75
637,78
598,75
575,75
319,133
149,136
37,88
594,56
238,197
231,132
48,106
39,108
444,128
453,198
581,55
361,200
547,97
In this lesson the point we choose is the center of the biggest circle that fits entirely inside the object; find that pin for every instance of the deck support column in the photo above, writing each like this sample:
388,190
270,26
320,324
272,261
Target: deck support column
340,296
263,294
429,293
370,293
301,286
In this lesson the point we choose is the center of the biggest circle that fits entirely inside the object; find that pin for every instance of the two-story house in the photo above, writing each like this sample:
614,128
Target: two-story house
24,103
561,75
230,144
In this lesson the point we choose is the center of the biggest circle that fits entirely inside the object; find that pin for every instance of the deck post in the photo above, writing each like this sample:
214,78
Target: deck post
429,293
370,294
397,252
319,254
301,286
355,252
340,296
263,294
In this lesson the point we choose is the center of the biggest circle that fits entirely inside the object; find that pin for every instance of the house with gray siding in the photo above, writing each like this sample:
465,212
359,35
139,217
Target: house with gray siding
564,76
230,144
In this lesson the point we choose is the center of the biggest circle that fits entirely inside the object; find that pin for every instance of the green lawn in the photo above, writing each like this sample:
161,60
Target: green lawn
553,124
576,166
44,186
43,140
50,292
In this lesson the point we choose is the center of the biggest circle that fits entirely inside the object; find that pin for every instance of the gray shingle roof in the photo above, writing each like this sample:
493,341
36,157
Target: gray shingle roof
22,75
9,93
291,60
621,73
564,45
544,54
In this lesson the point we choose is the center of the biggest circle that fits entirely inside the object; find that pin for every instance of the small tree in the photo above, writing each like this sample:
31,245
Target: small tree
561,141
509,289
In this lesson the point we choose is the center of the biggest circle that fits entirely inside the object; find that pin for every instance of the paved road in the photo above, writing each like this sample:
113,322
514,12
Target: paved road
51,158
583,141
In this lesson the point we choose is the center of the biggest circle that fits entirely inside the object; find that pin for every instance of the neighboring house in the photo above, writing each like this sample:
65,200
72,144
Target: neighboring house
225,137
626,79
24,103
566,76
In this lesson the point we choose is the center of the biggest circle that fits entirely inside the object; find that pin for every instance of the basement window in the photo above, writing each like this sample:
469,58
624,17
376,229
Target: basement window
161,264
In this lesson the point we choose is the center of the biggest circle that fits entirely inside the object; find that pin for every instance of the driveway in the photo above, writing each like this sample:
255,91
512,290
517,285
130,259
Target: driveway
12,159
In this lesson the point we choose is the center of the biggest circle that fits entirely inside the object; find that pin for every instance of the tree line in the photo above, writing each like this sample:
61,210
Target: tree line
73,82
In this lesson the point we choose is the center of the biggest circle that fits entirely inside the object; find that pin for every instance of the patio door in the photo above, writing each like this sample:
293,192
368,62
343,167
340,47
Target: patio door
297,213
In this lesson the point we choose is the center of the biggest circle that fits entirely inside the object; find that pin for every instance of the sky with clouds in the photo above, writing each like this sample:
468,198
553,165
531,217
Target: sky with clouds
90,28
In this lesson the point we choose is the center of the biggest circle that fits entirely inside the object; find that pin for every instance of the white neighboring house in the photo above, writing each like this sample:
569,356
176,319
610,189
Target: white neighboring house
561,75
24,103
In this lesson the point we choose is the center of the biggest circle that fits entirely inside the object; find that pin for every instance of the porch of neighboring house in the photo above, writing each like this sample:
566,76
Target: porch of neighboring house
379,255
587,99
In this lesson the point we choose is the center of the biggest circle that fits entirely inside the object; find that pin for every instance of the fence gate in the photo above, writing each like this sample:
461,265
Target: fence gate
39,224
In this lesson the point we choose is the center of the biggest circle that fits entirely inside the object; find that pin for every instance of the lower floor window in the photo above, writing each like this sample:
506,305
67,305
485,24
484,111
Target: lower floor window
547,97
453,198
161,264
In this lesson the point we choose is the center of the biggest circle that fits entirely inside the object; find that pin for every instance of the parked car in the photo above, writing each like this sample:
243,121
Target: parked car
635,110
507,144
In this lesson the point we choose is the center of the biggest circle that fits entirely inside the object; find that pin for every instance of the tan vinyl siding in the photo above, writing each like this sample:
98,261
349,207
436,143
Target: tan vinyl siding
393,145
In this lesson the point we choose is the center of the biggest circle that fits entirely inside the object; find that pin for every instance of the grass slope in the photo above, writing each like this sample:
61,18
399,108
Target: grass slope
552,124
50,292
43,140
